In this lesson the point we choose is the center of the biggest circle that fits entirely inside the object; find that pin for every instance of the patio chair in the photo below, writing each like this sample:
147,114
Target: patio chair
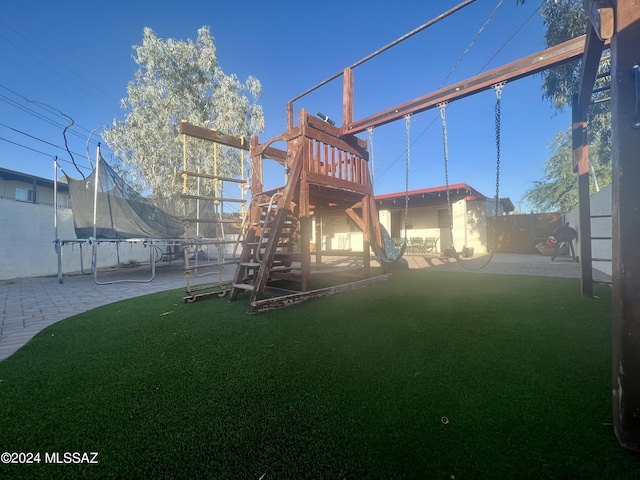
431,244
416,245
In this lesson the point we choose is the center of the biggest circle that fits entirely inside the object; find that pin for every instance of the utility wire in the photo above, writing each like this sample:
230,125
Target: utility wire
40,105
49,109
509,39
27,40
35,138
48,155
495,10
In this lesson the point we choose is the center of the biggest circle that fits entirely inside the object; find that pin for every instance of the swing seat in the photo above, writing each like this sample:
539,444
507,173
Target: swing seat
390,253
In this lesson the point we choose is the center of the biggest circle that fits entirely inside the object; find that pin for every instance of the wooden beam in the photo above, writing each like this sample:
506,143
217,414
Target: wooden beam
590,63
557,55
600,13
194,131
625,178
581,166
268,304
580,113
355,218
347,96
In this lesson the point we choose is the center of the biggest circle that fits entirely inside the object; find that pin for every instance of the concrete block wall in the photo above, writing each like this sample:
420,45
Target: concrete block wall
27,243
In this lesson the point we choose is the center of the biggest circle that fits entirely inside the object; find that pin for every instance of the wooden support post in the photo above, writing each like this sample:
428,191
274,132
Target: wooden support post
581,166
580,114
625,179
256,167
366,235
347,97
305,235
600,14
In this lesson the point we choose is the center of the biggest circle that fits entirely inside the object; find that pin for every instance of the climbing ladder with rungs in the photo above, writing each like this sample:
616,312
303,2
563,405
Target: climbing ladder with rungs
197,258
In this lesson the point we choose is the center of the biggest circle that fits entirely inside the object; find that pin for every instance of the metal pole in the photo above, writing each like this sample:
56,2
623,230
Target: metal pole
387,47
58,247
94,244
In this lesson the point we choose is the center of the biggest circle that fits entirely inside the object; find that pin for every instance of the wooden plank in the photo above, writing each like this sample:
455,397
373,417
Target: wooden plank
356,219
524,67
338,142
625,178
600,14
269,304
256,168
211,220
305,236
588,72
194,131
268,151
347,95
212,198
338,183
212,177
581,161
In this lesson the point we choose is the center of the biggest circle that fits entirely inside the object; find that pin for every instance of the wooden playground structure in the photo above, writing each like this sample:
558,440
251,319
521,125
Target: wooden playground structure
327,171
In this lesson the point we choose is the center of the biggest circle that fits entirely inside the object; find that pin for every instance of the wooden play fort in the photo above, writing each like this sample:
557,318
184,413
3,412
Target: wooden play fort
326,172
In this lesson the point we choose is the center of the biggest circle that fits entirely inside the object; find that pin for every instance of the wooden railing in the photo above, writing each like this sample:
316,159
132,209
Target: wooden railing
336,161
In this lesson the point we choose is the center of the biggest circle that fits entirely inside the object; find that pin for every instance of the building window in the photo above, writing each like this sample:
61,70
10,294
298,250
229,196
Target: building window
24,194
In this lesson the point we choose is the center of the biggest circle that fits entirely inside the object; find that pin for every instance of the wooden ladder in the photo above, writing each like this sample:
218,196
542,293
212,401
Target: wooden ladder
269,241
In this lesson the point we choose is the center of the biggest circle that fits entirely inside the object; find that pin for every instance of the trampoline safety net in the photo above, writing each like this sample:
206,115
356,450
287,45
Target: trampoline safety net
121,212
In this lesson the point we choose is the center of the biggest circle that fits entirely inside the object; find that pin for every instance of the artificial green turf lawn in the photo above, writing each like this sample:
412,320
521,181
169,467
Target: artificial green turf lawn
352,386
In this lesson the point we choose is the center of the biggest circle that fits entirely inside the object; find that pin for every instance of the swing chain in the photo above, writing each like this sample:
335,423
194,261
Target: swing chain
498,89
407,121
371,157
443,106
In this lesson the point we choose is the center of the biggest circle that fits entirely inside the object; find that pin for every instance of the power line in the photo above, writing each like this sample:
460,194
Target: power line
39,104
70,80
48,155
49,109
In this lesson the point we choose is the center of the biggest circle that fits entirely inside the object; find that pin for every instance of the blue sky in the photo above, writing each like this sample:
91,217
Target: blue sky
75,58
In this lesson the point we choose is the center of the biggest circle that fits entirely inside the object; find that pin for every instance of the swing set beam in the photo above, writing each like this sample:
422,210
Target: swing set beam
557,55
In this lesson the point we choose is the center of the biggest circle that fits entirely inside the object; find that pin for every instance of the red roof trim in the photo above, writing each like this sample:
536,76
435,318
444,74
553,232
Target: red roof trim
455,186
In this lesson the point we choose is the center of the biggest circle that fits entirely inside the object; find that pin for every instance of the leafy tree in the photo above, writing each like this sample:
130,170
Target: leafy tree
176,81
566,19
557,191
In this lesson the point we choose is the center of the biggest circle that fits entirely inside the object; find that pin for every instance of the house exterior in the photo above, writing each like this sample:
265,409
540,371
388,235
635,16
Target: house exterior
23,187
27,219
30,226
428,220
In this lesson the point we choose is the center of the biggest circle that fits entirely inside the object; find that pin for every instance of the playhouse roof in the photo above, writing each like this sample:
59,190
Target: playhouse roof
436,195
